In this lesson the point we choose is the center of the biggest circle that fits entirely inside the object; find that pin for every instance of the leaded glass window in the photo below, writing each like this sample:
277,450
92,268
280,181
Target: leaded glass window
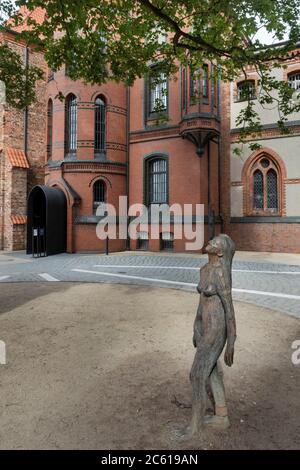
258,190
265,186
272,188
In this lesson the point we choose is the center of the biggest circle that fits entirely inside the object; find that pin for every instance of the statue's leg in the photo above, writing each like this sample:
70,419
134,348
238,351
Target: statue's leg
220,419
200,373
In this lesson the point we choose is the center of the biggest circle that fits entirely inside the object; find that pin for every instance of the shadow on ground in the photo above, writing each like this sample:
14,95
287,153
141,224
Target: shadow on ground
97,366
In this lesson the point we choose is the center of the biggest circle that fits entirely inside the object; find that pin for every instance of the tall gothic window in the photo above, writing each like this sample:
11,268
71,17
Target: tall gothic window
157,92
184,88
193,86
99,194
205,82
265,187
49,129
71,125
157,181
294,80
100,126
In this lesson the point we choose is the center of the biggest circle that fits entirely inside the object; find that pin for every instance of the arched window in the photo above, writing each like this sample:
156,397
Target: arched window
100,126
99,194
156,181
49,129
246,90
265,186
71,125
294,80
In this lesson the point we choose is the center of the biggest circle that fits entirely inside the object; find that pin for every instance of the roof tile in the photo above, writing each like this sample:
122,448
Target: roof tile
17,158
18,219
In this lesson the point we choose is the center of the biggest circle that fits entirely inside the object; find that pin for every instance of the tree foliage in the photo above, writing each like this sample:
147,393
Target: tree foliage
102,40
19,78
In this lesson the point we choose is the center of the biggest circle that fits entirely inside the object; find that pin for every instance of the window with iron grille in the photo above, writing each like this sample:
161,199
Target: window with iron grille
294,80
157,92
71,125
49,129
99,194
265,187
246,90
205,83
143,241
167,241
157,181
100,126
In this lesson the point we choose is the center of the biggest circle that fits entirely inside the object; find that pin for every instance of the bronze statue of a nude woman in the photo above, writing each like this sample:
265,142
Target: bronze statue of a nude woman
213,327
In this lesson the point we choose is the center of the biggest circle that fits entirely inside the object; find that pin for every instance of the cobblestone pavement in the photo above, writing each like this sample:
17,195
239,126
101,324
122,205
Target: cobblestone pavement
274,285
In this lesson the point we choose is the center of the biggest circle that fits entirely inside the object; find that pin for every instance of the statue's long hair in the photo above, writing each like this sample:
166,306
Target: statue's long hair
228,253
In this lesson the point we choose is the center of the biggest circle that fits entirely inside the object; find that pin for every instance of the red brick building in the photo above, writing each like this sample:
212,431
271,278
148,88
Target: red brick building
22,152
107,141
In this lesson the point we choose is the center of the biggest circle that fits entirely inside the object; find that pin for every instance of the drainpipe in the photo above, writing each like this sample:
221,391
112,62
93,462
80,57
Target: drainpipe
127,159
26,111
211,215
219,183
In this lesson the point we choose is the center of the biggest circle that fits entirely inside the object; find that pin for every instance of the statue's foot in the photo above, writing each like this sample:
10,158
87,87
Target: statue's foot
185,434
217,422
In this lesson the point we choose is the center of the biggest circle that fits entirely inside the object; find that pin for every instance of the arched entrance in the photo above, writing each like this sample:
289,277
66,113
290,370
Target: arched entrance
47,215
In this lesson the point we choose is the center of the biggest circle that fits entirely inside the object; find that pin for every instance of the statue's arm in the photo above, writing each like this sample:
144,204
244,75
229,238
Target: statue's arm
197,326
226,298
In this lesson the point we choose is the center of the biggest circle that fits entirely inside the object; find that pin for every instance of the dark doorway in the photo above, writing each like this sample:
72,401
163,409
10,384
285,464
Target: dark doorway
47,213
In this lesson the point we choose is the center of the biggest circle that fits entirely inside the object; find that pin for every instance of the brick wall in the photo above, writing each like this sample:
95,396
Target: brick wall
15,183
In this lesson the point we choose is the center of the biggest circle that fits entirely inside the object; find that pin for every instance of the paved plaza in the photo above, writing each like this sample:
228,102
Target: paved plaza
266,280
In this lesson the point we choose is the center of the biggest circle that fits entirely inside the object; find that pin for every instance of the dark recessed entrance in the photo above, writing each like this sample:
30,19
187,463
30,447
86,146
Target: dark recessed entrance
46,223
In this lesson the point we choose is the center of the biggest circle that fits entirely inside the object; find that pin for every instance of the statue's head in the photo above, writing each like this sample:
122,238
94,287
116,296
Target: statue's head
222,246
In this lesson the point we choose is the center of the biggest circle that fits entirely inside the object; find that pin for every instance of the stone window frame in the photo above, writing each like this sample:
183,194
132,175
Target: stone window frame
250,166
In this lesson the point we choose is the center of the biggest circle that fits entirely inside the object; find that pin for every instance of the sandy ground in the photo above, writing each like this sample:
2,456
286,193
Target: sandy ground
96,366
